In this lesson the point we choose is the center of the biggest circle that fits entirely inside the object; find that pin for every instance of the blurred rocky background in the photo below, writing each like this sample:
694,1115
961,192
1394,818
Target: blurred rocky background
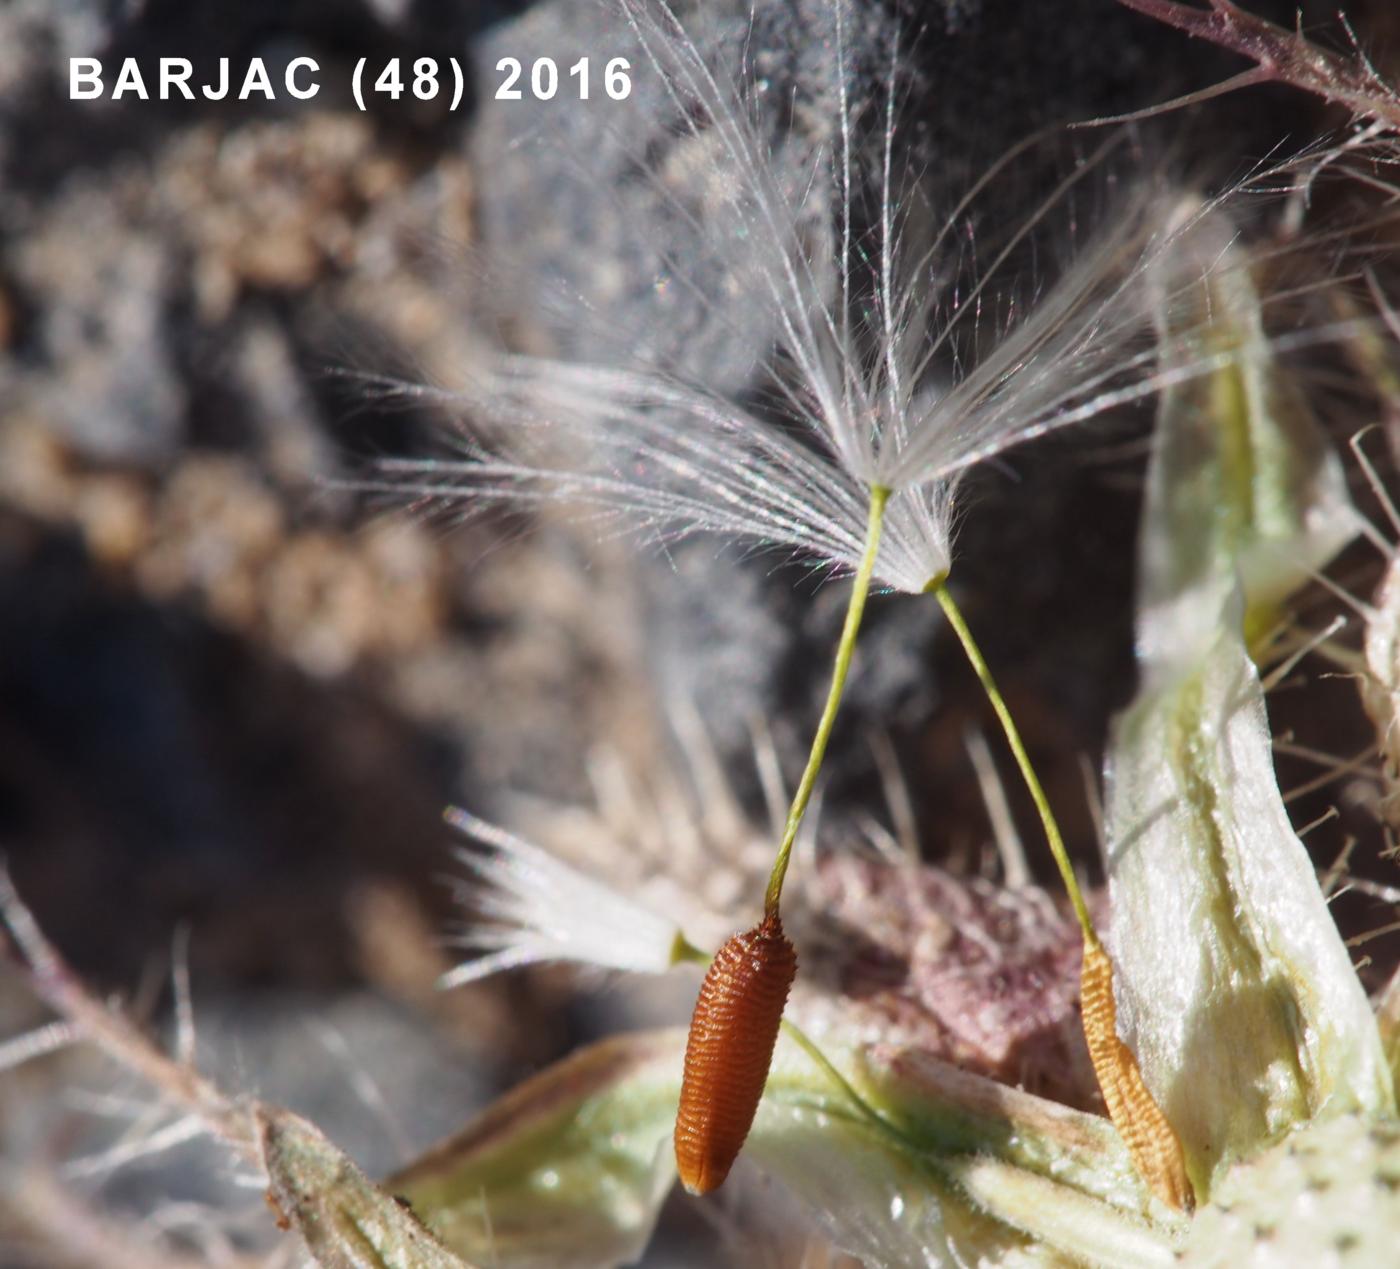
235,694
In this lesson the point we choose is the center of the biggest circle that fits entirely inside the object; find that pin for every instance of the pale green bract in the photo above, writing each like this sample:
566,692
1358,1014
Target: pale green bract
1243,483
1235,989
570,1168
902,1159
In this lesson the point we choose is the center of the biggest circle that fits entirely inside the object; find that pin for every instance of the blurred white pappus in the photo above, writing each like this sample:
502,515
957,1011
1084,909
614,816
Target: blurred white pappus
536,909
902,361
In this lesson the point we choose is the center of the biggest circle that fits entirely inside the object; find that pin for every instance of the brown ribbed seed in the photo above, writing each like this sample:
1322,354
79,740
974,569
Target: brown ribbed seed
1152,1142
730,1048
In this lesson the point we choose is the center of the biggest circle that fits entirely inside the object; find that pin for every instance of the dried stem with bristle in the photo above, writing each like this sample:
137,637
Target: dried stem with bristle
1282,55
342,1216
115,1034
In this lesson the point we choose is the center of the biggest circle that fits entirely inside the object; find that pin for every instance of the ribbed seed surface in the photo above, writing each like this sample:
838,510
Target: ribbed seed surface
732,1035
1152,1142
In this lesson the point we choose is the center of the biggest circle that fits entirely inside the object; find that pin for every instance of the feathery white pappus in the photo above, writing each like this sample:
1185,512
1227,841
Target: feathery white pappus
536,909
895,380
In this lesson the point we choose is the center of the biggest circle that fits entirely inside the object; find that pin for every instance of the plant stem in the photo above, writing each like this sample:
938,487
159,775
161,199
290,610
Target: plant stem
855,610
828,1068
1152,1142
1013,737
